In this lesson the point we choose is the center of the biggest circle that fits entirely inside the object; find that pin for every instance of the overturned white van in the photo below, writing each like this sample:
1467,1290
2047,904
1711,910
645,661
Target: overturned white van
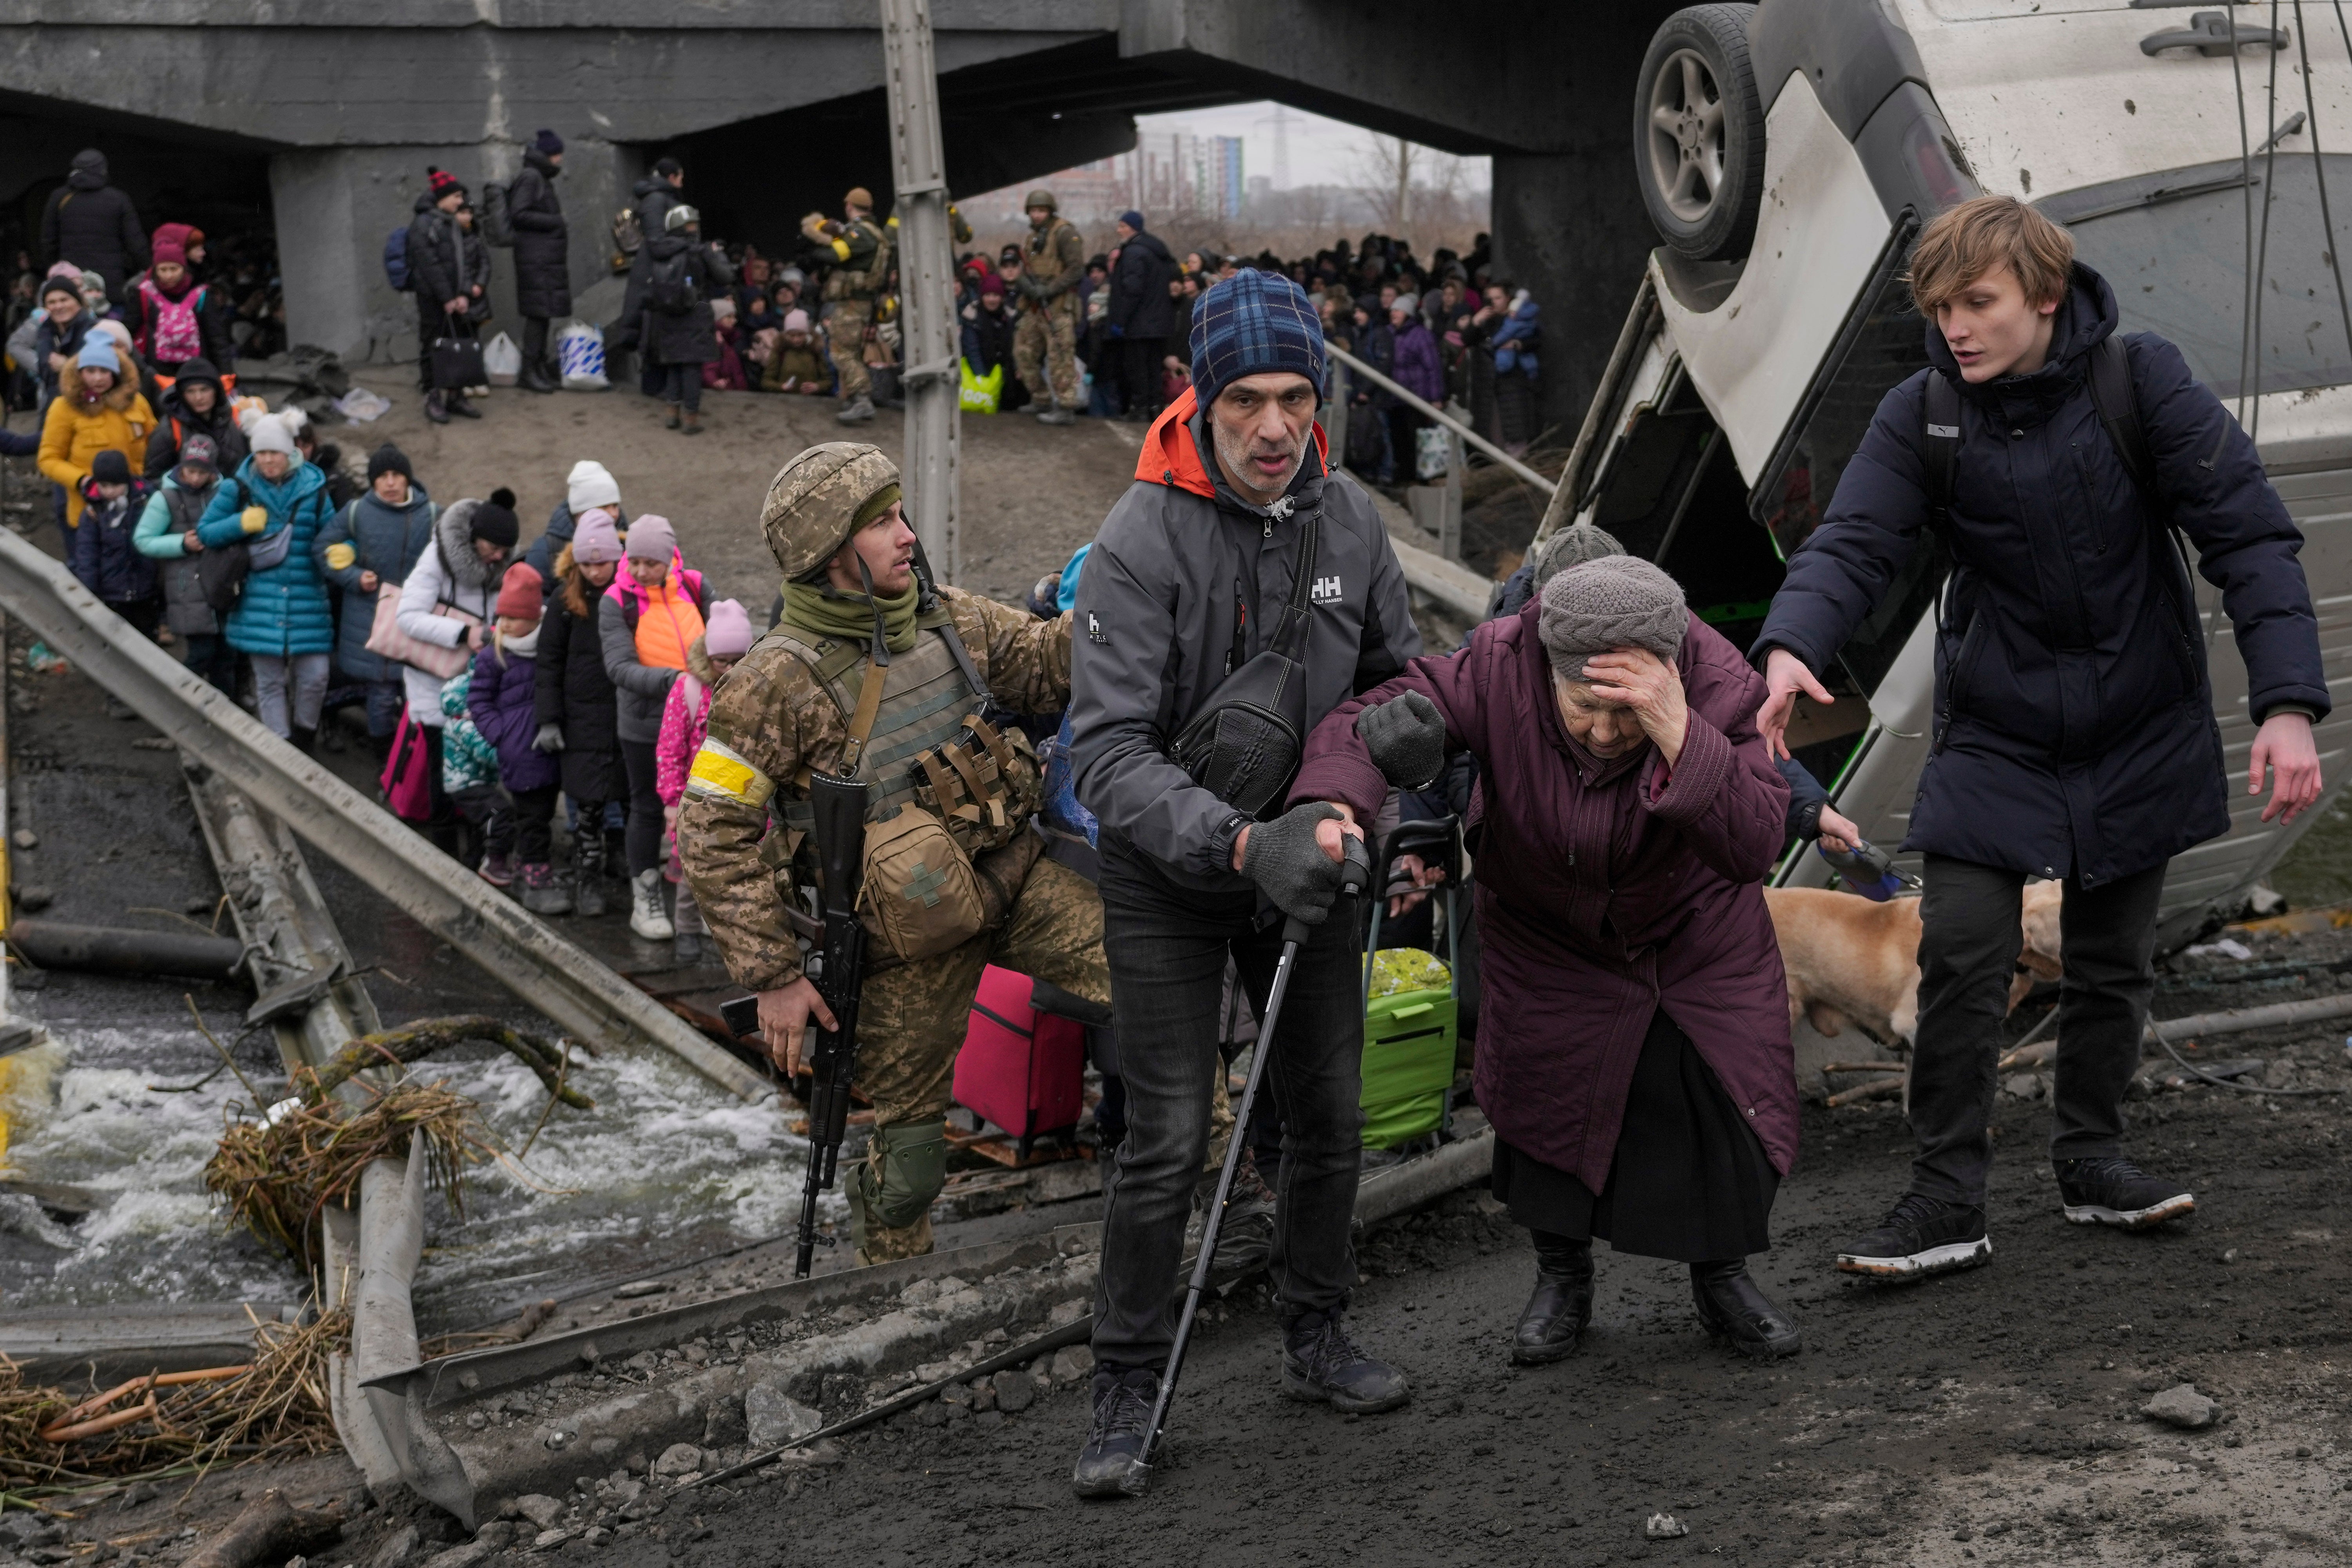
1790,156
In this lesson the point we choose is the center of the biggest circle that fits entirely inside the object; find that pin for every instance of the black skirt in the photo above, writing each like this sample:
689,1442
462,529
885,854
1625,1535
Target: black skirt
1690,1180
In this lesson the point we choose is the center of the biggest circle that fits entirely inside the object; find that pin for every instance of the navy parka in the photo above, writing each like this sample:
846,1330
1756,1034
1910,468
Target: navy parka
2074,720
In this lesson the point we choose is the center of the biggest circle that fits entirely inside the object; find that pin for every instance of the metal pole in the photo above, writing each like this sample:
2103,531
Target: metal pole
1413,401
926,281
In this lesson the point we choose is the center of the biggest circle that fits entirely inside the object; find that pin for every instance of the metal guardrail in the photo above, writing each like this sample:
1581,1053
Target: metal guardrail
1413,401
580,994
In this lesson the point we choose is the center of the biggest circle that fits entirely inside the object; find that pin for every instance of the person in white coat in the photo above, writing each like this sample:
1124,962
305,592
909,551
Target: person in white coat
447,602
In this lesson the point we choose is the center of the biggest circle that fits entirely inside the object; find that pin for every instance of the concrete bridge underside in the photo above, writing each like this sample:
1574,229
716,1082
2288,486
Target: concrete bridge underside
326,112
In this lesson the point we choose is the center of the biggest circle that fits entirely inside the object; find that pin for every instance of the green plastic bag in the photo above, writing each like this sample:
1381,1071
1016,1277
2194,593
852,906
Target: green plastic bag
979,394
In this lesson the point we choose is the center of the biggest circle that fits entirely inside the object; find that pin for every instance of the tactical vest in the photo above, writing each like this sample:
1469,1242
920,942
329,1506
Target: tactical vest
929,748
841,283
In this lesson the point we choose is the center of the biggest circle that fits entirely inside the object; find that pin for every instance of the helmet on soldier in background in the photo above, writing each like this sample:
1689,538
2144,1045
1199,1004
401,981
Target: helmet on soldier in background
859,197
821,497
1041,198
679,217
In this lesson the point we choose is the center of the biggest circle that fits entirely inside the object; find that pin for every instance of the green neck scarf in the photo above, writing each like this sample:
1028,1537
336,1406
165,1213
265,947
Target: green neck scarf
849,617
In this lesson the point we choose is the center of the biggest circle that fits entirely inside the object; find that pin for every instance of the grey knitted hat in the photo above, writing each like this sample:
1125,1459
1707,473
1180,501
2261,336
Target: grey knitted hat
1611,601
1572,546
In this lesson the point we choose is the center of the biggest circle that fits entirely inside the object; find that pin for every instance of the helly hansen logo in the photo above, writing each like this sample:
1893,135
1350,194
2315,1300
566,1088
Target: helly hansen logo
1325,591
1094,629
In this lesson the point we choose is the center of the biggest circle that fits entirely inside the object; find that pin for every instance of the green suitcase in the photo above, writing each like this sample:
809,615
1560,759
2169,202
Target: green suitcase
1412,1002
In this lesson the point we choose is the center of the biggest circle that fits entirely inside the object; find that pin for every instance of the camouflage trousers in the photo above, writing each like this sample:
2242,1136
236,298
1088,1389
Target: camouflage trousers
845,333
911,1024
1048,339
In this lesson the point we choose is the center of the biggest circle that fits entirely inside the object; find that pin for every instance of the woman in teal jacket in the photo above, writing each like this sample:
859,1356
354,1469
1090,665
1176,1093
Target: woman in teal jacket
276,504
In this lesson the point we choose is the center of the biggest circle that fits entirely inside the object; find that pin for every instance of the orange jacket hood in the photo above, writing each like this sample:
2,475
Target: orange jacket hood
1169,457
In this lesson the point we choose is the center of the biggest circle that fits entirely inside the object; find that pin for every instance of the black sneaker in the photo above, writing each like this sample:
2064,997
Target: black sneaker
1115,1441
1920,1236
2116,1192
1321,1365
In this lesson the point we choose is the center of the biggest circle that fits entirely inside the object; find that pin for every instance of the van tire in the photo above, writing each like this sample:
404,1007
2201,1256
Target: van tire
1698,133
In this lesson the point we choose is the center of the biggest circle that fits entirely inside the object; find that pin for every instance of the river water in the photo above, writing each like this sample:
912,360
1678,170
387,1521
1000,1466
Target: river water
667,1166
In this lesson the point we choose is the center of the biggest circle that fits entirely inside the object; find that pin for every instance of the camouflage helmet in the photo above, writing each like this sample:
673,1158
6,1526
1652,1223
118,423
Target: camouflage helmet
821,497
1040,198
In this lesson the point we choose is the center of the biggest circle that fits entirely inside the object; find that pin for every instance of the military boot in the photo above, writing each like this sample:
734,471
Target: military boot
1055,414
859,412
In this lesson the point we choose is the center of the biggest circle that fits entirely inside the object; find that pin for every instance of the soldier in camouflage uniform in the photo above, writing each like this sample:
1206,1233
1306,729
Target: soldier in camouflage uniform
932,765
1047,337
861,252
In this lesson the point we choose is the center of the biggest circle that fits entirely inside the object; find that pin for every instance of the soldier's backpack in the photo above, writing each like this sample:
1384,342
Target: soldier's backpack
498,215
628,236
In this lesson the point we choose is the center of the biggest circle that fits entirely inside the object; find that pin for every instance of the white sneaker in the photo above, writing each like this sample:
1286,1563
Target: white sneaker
645,916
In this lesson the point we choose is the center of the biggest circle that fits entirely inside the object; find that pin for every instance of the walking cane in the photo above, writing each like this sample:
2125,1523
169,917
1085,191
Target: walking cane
1355,877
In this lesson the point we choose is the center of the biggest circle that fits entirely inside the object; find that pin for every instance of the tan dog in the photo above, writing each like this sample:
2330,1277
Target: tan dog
1850,961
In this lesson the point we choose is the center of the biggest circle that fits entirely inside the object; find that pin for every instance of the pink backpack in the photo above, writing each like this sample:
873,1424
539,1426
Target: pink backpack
409,772
177,335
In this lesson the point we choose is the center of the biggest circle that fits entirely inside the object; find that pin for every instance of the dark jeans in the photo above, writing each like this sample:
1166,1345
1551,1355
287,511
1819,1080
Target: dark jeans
1968,953
644,802
682,387
534,340
1167,948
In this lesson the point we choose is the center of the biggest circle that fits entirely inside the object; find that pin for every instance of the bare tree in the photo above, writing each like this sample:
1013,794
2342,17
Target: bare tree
1385,170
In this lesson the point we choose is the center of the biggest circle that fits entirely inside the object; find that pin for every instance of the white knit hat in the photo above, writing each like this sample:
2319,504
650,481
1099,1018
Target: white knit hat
589,485
269,434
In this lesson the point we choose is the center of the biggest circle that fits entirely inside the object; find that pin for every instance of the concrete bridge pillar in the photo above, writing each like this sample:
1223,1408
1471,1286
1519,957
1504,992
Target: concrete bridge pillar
336,206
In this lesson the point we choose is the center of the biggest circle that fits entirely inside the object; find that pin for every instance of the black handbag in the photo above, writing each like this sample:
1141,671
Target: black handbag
1246,743
457,363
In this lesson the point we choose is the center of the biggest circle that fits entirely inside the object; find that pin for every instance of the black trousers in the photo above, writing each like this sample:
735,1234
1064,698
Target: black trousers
645,831
1968,953
534,340
534,810
1139,373
1167,948
682,387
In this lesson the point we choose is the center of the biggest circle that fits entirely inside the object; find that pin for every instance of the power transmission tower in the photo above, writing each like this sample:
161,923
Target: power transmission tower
926,265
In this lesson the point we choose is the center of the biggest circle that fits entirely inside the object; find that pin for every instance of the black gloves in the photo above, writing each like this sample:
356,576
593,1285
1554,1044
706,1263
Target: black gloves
1283,859
1406,739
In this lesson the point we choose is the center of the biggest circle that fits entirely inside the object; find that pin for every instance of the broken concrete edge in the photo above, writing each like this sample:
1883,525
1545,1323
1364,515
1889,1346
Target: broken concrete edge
583,996
1056,1287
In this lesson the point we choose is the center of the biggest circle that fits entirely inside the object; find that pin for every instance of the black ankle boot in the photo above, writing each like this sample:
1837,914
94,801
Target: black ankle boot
1562,1302
1734,1310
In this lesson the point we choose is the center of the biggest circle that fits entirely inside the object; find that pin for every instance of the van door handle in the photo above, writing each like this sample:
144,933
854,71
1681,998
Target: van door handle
2208,34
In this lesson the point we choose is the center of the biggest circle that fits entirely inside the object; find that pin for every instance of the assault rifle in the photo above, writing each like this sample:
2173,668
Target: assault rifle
837,969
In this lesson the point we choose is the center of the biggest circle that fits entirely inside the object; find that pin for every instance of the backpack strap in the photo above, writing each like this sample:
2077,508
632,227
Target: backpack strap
2116,398
1941,449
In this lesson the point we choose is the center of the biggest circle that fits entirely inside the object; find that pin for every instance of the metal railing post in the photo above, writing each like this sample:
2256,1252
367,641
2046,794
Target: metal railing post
1410,400
926,281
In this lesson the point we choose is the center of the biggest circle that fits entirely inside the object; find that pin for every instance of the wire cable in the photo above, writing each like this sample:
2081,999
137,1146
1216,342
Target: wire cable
2319,172
2263,248
2246,167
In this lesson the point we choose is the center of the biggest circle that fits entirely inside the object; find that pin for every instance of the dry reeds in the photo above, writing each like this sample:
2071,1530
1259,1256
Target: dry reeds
171,1423
279,1173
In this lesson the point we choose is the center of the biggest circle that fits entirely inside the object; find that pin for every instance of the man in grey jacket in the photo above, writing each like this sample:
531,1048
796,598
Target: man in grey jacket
1190,575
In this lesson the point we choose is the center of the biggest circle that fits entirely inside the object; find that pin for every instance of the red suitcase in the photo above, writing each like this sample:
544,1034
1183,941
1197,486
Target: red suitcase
1022,1069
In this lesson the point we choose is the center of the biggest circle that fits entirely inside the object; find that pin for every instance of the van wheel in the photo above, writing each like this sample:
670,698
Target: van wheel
1698,133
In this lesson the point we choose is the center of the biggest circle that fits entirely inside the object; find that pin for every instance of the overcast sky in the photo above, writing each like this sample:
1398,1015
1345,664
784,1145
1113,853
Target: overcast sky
1322,152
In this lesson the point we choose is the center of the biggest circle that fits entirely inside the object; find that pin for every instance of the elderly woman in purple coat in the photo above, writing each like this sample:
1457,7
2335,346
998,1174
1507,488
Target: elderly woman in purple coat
1633,1037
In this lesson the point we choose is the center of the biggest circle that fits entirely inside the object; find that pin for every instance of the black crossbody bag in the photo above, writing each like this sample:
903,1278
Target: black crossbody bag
1246,743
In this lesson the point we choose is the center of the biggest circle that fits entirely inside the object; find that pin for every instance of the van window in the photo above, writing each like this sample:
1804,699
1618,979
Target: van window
2173,246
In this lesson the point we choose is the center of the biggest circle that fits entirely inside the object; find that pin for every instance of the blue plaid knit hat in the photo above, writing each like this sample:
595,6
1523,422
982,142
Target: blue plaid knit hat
1251,324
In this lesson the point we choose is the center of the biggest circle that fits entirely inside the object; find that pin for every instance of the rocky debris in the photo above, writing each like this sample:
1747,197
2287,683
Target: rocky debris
1016,1391
1073,1363
537,1507
2180,1406
268,1530
772,1418
397,1548
1663,1526
469,1555
678,1459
